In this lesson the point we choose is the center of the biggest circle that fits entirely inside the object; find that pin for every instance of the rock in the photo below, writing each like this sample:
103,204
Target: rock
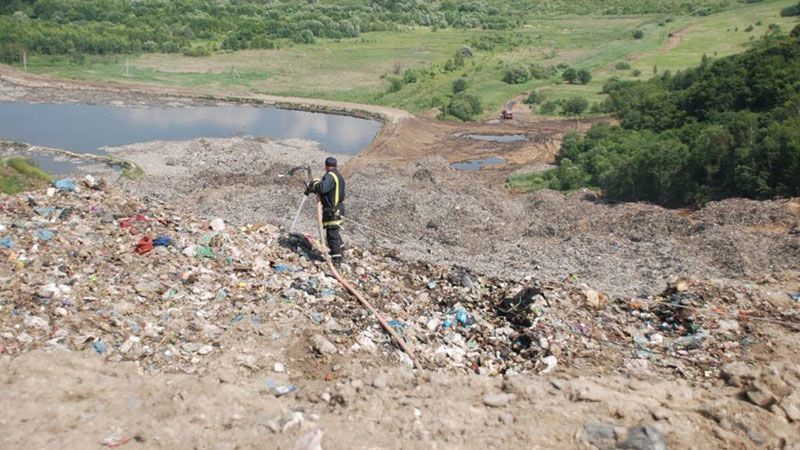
322,345
791,406
600,435
278,368
738,374
644,438
550,364
206,349
496,400
728,326
380,381
506,418
310,441
760,395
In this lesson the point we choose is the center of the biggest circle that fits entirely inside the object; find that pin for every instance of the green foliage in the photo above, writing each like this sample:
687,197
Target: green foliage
791,11
574,106
622,65
410,76
29,169
540,72
516,75
395,84
464,106
729,127
584,76
570,75
638,34
548,108
19,175
459,85
748,29
534,98
636,72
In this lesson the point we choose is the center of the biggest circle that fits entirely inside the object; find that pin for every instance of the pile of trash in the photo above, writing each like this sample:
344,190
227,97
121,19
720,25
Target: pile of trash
88,268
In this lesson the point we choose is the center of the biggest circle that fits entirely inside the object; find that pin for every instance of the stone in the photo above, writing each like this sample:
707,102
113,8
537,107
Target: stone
600,435
791,406
322,345
737,374
206,349
728,326
380,381
496,400
506,418
550,364
644,438
760,395
278,368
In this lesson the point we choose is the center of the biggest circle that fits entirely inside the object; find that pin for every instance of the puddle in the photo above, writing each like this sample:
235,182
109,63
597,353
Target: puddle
477,164
497,137
89,128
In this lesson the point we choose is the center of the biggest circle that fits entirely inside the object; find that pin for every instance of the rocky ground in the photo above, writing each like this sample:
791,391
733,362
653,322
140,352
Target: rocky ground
233,335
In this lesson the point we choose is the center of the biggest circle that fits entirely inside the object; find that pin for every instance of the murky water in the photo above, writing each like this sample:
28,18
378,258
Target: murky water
477,164
88,128
498,137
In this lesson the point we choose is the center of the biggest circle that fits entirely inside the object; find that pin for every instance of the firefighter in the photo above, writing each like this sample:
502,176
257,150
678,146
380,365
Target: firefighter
331,192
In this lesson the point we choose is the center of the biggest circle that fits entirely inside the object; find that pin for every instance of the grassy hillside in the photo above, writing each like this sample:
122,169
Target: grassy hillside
596,36
18,175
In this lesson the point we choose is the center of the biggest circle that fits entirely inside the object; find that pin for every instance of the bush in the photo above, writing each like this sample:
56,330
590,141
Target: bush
548,108
638,34
459,85
464,106
534,98
539,72
584,76
791,11
570,75
395,84
516,75
622,65
574,106
410,76
196,50
304,37
636,72
748,29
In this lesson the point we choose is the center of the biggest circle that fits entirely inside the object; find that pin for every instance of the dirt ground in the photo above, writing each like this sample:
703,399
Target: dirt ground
546,320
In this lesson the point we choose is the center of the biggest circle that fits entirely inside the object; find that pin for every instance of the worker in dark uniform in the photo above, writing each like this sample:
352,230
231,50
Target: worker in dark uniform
331,191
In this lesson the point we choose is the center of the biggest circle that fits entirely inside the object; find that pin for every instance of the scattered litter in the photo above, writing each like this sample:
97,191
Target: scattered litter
65,184
99,347
45,235
145,245
6,242
162,241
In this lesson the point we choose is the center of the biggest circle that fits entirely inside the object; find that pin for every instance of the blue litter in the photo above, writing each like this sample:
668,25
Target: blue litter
447,323
254,319
397,325
282,268
65,185
162,241
432,285
281,390
221,295
45,235
795,296
6,242
238,318
99,347
43,210
462,317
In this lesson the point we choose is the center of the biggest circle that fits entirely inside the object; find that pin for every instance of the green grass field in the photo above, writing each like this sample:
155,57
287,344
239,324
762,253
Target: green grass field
18,175
356,69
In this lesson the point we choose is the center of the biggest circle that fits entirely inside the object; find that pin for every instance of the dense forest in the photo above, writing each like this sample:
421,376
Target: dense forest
730,127
198,27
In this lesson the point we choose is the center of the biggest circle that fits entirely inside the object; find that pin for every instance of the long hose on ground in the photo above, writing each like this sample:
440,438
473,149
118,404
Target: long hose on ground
358,295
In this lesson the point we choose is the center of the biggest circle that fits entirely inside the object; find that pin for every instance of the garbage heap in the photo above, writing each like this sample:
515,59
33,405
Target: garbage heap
89,268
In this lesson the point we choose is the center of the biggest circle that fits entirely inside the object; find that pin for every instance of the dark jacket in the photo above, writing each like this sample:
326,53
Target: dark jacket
332,191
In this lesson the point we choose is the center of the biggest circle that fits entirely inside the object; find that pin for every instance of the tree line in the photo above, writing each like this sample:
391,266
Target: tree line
56,27
730,127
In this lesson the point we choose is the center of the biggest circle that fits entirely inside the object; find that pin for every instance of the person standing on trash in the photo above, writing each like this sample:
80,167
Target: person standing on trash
331,192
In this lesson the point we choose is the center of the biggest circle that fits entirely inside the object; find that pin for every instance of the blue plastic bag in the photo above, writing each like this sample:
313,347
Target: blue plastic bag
65,185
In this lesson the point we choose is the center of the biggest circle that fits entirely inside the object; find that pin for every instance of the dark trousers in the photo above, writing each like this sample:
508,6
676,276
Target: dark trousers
334,241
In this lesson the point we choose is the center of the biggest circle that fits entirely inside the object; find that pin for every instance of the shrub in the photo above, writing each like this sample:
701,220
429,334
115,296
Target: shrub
584,76
540,72
636,72
548,108
622,65
464,106
516,75
638,34
790,11
570,75
395,84
410,76
574,106
748,29
459,85
534,98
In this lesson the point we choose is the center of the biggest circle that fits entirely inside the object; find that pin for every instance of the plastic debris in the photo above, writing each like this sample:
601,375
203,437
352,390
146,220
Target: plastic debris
162,241
65,184
99,347
45,235
6,242
145,245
